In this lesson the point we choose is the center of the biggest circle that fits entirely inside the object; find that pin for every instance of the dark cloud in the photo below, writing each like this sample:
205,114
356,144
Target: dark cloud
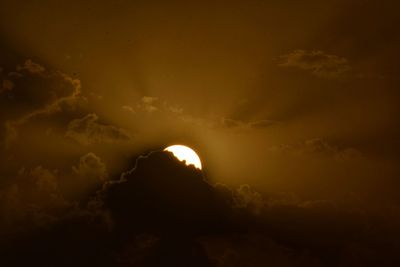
157,223
255,250
172,193
49,92
33,200
7,85
245,197
164,213
88,130
318,63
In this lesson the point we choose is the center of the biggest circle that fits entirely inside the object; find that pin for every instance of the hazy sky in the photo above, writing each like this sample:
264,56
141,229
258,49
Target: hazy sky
299,98
267,92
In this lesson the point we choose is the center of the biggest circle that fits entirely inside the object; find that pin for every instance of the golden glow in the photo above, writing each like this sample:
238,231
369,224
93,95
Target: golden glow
184,153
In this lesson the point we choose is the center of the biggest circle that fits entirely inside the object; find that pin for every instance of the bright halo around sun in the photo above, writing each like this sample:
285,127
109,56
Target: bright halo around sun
184,153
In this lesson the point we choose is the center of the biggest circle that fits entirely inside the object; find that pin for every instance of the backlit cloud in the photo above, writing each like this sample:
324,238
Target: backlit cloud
88,130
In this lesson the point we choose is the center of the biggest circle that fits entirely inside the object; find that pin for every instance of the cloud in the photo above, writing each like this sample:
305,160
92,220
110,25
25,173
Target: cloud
88,130
54,90
255,250
31,67
246,197
162,189
164,211
128,109
261,124
318,147
45,180
318,63
149,99
7,85
91,168
175,109
231,123
45,191
243,125
149,104
33,199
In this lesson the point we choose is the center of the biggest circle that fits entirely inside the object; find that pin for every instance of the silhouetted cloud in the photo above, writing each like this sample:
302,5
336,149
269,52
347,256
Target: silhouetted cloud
34,81
164,213
162,189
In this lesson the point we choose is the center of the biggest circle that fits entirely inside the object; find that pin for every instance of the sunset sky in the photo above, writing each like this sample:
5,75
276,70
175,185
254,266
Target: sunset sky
292,107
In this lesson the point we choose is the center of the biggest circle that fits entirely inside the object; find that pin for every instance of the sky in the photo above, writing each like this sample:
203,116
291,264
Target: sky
291,106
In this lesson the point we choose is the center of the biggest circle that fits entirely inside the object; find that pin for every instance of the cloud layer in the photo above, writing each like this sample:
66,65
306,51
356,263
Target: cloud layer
164,212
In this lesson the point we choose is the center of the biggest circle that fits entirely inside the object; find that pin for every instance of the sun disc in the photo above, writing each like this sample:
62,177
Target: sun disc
184,153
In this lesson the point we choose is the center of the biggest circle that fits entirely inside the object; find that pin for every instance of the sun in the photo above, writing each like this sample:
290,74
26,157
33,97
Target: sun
184,153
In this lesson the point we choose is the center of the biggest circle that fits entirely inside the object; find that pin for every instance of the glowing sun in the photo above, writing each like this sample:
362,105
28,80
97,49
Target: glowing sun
184,153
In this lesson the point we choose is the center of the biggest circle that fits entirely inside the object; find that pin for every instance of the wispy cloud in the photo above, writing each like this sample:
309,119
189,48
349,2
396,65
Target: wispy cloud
316,62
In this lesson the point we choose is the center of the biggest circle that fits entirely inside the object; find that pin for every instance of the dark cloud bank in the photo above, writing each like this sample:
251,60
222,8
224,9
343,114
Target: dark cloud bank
163,213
